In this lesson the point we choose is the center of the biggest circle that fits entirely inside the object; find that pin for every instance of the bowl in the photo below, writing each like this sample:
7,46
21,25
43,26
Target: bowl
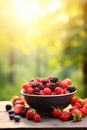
44,103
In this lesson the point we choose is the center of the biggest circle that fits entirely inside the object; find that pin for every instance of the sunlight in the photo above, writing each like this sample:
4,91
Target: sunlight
27,10
55,5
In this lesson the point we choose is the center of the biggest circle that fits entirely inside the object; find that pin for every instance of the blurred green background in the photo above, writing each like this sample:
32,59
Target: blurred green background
39,38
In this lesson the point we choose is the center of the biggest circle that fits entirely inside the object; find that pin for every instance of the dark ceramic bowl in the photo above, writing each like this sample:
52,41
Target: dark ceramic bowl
44,103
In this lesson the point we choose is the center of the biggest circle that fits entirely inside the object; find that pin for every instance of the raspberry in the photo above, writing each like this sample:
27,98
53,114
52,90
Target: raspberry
47,91
37,118
58,90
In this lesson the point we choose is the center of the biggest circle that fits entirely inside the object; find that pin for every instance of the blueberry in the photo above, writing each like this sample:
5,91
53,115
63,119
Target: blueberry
17,118
10,112
11,116
8,107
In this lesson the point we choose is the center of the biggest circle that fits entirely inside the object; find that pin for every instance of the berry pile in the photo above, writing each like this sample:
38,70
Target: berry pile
19,109
48,86
76,111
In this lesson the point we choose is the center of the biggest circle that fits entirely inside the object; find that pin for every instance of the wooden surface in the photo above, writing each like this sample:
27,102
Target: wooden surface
46,122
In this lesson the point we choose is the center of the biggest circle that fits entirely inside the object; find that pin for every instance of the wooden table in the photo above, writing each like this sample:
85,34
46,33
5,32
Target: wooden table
47,123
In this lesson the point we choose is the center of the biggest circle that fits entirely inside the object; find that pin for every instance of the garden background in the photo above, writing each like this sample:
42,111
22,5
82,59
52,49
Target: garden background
39,38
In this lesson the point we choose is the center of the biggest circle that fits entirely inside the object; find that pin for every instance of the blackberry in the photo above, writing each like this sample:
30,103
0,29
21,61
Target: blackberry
52,86
23,113
8,107
44,81
41,87
36,90
54,79
71,89
35,85
57,84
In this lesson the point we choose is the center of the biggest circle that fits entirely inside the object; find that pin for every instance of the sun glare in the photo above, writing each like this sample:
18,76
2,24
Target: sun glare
30,10
27,10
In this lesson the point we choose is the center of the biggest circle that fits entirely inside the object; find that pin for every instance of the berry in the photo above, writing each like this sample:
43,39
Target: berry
55,112
68,82
23,113
77,114
18,109
45,81
58,90
30,114
19,102
11,116
25,86
36,90
8,107
17,118
52,86
74,100
54,79
71,89
64,85
10,112
47,91
64,116
37,118
30,90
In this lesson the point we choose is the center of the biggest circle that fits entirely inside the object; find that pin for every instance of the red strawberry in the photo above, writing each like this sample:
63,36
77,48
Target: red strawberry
83,110
16,98
30,113
25,86
74,100
18,108
68,82
47,91
30,90
55,112
58,90
77,114
19,102
37,118
64,85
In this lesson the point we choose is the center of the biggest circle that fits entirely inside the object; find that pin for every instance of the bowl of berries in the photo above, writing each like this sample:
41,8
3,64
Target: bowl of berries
45,93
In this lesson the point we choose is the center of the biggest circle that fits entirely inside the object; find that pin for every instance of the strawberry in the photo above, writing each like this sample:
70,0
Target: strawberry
19,102
68,82
64,85
74,100
25,86
16,98
30,113
30,90
18,108
77,114
84,111
55,112
37,118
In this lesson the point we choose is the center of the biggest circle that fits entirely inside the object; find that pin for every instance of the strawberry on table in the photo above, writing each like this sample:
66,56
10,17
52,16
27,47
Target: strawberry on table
18,108
30,113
